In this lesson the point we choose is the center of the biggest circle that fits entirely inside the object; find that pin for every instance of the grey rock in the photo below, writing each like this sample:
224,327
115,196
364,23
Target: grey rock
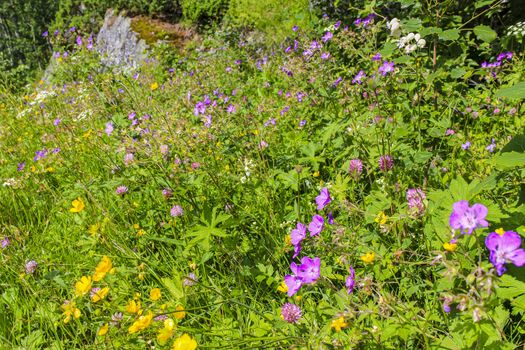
118,45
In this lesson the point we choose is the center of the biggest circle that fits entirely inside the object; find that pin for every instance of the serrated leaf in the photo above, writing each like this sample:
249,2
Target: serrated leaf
485,33
449,34
517,91
509,160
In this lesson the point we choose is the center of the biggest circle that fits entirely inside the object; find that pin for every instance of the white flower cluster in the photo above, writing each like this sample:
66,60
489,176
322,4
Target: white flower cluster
517,30
411,42
395,27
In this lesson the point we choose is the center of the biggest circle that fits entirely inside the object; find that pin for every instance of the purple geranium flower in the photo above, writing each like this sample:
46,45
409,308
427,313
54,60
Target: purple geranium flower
309,270
466,218
293,283
323,199
316,226
298,233
505,249
327,36
386,68
350,281
359,77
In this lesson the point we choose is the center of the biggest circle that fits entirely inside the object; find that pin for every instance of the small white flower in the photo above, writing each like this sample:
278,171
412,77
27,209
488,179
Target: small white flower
395,27
410,36
421,43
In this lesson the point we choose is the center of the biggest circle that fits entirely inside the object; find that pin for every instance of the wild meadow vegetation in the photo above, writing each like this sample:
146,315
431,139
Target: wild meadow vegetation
357,184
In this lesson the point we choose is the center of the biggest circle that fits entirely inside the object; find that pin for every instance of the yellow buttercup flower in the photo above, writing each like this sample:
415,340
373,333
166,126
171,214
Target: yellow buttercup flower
142,323
316,174
338,324
282,287
167,332
77,205
93,229
288,240
99,295
70,310
184,342
368,258
133,307
104,266
155,294
500,231
154,86
103,330
381,218
180,314
450,246
83,286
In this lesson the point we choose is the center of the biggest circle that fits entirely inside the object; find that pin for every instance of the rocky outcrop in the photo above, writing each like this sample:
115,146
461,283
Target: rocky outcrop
118,45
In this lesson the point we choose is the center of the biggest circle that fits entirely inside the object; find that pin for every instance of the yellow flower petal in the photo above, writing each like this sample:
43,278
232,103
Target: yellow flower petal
184,342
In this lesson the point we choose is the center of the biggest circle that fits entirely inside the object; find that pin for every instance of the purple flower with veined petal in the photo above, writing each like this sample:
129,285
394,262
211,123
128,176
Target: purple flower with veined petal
387,67
21,166
330,219
309,270
295,28
298,233
327,36
293,283
4,243
325,55
45,34
337,82
376,57
79,40
466,218
56,121
466,145
316,226
109,128
323,199
296,250
350,281
359,77
491,147
505,249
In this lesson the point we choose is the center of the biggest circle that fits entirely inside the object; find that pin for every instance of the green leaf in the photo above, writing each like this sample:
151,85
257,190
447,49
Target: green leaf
509,160
485,33
449,34
516,91
174,287
457,73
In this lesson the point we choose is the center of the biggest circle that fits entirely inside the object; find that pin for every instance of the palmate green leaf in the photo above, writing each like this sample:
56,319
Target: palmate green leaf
174,286
509,160
517,91
449,34
485,33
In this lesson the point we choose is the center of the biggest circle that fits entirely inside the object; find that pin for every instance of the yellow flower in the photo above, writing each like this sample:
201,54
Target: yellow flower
368,258
83,286
167,332
381,218
450,246
316,174
500,231
180,314
93,229
154,86
78,205
283,287
155,294
70,310
103,330
101,294
338,324
288,240
142,323
133,307
103,267
184,342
